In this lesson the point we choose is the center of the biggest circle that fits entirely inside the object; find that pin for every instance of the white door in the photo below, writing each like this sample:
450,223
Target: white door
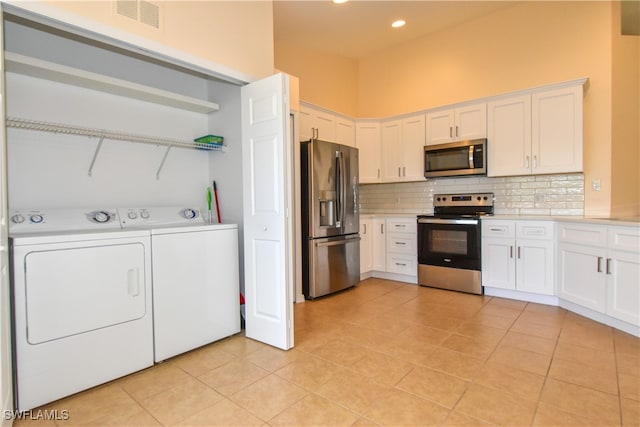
471,122
623,293
368,142
413,141
267,196
498,266
6,389
535,266
391,140
509,136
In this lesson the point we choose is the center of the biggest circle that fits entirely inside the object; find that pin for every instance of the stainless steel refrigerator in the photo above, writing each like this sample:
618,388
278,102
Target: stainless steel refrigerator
330,218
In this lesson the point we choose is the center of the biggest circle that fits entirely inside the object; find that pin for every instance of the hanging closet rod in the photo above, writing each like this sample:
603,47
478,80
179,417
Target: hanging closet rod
101,133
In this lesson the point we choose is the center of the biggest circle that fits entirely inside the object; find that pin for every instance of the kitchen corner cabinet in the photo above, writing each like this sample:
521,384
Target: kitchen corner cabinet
518,255
459,124
402,143
320,124
536,133
598,268
368,143
366,245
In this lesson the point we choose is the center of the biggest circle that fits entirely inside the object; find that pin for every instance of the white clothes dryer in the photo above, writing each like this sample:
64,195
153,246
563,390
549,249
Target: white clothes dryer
196,293
82,302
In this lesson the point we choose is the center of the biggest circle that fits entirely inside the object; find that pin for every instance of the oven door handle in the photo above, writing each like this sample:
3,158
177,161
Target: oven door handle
447,221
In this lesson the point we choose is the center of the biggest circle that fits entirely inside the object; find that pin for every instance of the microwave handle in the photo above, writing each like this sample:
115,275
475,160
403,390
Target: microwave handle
471,165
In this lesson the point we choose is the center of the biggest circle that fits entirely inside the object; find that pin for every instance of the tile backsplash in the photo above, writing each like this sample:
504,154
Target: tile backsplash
519,195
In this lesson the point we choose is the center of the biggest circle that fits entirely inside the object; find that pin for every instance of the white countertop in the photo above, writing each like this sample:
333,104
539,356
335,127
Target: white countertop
631,221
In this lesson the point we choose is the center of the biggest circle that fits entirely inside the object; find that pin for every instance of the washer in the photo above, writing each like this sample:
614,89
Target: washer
81,299
196,294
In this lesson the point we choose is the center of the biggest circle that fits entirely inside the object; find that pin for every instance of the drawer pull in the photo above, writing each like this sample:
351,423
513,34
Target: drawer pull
496,229
608,265
599,266
401,243
401,264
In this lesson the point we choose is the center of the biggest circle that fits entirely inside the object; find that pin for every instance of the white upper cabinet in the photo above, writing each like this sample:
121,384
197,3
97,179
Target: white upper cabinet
345,131
402,148
320,124
538,133
459,124
368,143
556,134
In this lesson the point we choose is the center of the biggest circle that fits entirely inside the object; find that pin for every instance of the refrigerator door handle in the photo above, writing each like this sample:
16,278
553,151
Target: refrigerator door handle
338,242
340,189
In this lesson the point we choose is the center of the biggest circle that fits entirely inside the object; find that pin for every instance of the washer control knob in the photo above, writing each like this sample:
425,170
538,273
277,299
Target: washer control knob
144,214
17,219
101,217
190,213
36,219
132,215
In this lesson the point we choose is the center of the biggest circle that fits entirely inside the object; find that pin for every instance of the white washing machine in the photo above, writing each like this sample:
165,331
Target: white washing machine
82,302
195,277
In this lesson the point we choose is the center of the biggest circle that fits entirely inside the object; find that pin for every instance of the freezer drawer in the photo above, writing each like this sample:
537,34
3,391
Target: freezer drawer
334,264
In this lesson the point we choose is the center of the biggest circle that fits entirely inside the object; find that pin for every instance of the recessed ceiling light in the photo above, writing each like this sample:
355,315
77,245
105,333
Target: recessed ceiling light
340,1
399,23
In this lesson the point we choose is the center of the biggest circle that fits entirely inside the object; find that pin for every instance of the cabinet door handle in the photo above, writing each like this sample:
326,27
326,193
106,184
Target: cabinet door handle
401,264
535,162
599,264
608,266
399,173
526,162
450,131
456,131
519,247
381,228
510,251
365,228
401,243
378,173
404,171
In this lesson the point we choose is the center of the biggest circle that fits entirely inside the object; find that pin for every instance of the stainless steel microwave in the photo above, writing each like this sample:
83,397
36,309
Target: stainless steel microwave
456,158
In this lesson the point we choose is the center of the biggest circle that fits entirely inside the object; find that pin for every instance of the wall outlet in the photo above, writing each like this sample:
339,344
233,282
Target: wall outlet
595,184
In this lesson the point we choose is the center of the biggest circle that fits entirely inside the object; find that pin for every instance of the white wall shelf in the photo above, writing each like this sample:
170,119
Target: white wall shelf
103,134
38,68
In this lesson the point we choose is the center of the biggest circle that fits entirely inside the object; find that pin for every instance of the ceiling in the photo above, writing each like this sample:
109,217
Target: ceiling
359,28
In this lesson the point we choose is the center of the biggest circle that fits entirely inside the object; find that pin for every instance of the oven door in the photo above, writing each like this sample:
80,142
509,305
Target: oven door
451,243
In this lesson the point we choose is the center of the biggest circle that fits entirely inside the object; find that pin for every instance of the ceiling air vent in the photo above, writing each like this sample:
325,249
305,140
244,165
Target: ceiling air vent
145,12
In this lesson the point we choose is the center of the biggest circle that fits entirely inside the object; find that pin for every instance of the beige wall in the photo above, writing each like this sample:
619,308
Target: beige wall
625,132
525,45
235,34
326,80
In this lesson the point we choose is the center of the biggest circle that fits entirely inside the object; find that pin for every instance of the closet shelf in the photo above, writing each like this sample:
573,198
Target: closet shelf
107,134
38,68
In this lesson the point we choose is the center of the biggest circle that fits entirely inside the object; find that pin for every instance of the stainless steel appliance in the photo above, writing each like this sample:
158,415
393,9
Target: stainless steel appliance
330,218
449,242
456,158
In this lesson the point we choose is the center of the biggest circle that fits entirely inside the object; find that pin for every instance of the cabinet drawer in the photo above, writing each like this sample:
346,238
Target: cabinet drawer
401,243
624,238
402,225
498,229
402,264
534,229
592,235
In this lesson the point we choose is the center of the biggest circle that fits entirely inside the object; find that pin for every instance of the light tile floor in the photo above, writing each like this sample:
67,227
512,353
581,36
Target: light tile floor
388,353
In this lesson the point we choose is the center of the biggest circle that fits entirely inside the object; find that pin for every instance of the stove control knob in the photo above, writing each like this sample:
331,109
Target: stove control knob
485,198
444,199
36,219
190,213
480,198
132,215
101,217
438,198
17,219
144,214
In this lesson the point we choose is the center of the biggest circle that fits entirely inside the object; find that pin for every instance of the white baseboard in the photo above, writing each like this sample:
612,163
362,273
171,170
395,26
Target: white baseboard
521,296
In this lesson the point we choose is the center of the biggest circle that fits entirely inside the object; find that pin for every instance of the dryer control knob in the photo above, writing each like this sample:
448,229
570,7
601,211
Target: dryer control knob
144,214
17,219
101,217
132,215
36,219
190,213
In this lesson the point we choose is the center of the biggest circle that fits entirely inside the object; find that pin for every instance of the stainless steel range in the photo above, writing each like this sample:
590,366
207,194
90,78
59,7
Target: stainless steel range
449,242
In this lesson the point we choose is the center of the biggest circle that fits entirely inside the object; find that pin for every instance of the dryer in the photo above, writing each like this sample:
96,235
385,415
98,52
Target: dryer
196,293
82,302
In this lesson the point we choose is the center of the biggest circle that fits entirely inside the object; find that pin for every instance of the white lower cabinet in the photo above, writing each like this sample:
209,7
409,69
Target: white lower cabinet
518,255
402,251
388,248
598,268
366,245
